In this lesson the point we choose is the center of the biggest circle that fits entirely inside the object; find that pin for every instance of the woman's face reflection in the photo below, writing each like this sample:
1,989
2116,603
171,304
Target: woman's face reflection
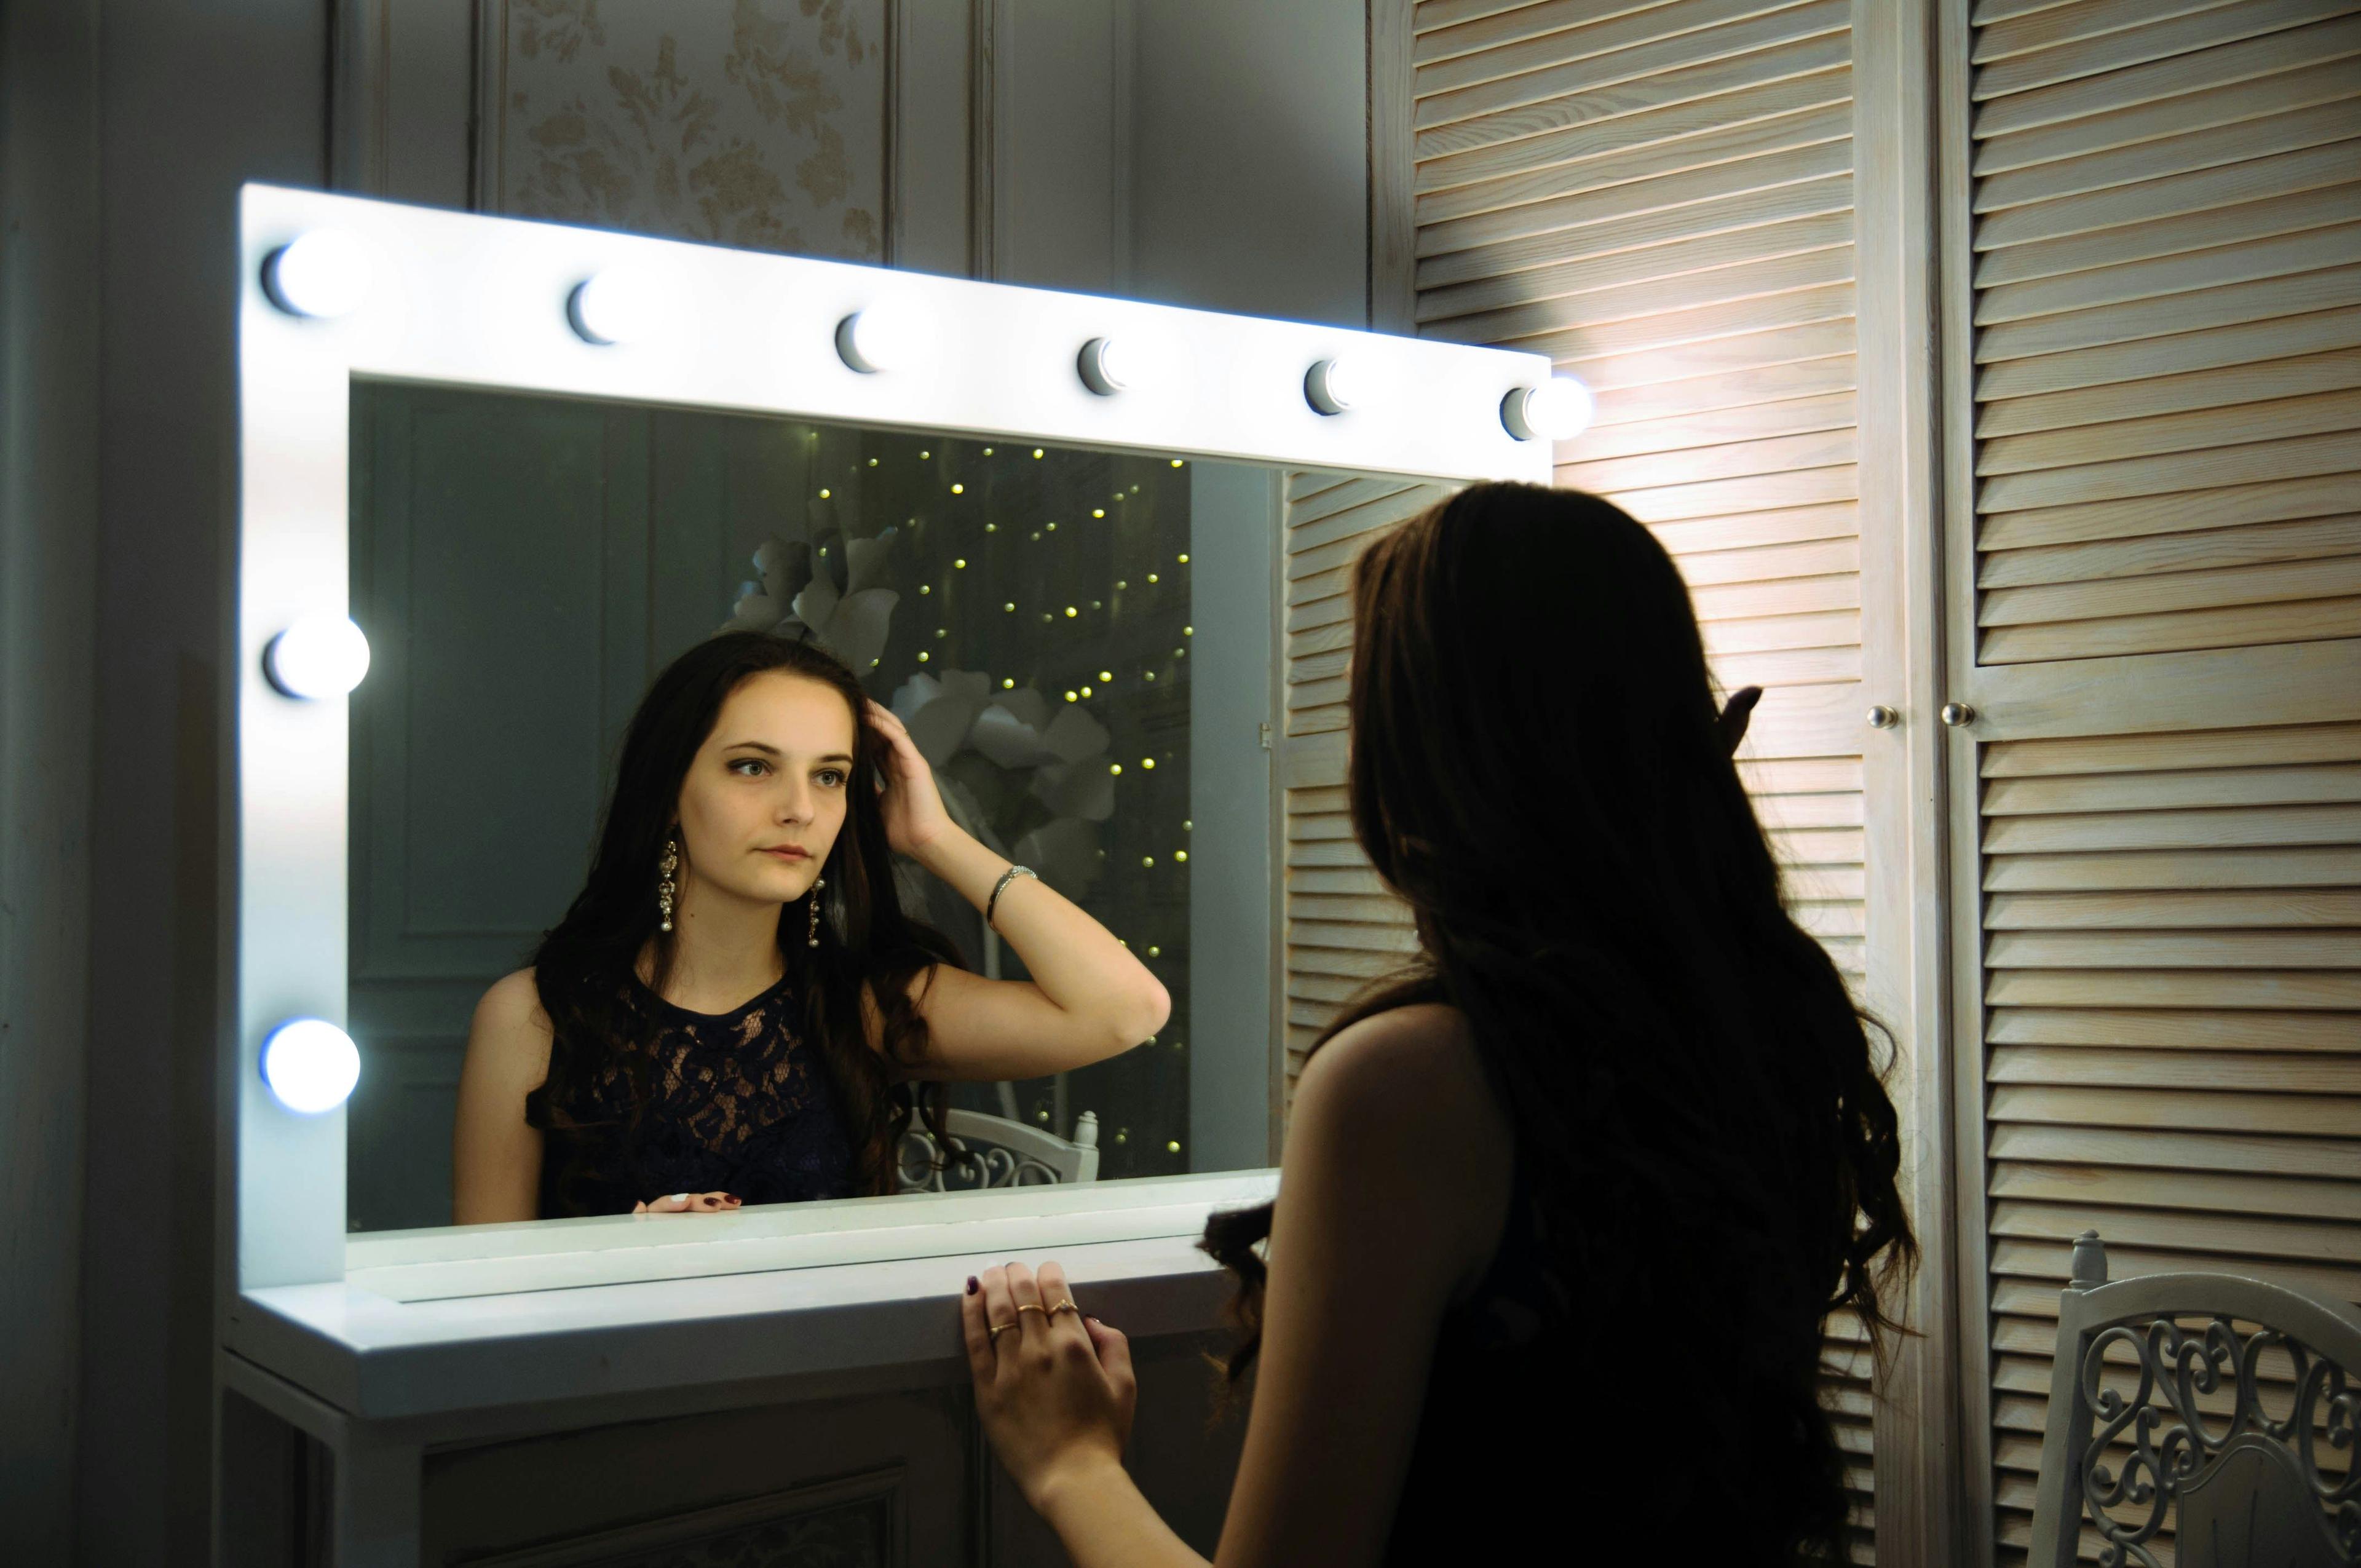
765,795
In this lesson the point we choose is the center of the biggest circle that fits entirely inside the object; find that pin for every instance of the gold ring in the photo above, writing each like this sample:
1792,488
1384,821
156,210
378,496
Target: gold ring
1065,1306
1032,1306
996,1329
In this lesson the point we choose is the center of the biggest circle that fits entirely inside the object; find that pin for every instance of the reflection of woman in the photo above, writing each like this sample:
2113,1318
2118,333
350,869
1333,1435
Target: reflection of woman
1566,1210
736,1008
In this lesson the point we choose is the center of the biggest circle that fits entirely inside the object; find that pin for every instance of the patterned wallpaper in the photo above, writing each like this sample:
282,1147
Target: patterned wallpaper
751,123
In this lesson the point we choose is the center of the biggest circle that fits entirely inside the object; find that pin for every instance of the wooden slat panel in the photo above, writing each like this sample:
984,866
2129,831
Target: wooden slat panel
2305,250
2335,371
2072,141
2254,218
1522,41
2170,77
2162,39
2273,867
2181,1030
2104,326
2314,621
2290,129
2310,540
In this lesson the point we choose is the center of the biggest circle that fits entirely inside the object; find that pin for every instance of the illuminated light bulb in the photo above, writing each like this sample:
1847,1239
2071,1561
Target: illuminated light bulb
1106,675
960,564
1188,632
926,587
1087,692
922,657
992,528
1098,511
987,452
1051,526
1154,952
1149,674
1180,855
1036,451
1072,612
942,631
311,1065
1148,860
1176,463
1007,685
1147,761
1184,560
1116,768
1036,536
1153,577
1120,584
323,274
1047,617
1011,608
1098,604
823,495
1338,386
319,656
881,337
923,456
1177,652
1143,359
619,305
872,462
1071,698
1557,410
958,490
1186,824
1172,1146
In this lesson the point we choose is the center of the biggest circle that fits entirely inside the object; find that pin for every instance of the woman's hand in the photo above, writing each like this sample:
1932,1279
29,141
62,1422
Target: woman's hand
1054,1389
914,816
689,1203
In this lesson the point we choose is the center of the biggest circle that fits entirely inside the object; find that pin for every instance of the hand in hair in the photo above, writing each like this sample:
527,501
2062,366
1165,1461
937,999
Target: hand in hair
912,807
1734,716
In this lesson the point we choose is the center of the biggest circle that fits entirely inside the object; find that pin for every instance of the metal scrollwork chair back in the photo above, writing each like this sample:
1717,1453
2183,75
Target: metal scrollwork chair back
993,1151
2243,1475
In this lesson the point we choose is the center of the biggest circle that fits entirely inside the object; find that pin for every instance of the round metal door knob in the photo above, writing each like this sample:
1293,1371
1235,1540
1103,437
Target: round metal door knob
1883,718
1958,713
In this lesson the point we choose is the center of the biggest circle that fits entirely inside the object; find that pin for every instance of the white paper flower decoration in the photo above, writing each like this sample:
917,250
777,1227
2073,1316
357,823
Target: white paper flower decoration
793,600
1013,729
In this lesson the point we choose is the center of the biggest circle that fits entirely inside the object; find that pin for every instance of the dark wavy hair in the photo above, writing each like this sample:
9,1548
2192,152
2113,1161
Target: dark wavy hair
1539,769
584,966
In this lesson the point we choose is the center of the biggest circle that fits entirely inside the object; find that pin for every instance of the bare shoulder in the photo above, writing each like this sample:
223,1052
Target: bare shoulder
1415,1065
510,1033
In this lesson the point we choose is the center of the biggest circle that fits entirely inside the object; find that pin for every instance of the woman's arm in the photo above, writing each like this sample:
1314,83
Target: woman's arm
495,1156
1089,999
1393,1196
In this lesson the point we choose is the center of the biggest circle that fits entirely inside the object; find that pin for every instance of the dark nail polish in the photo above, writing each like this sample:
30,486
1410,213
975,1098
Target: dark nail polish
972,1285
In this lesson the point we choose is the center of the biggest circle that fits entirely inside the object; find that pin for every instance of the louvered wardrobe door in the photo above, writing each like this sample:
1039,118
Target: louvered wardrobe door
2156,557
1661,198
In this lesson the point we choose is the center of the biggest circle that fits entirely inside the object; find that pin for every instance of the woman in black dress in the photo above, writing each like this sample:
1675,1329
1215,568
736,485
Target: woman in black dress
1566,1207
736,1009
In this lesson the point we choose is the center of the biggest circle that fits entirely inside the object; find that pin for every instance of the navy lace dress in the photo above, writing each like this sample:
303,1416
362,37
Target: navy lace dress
734,1102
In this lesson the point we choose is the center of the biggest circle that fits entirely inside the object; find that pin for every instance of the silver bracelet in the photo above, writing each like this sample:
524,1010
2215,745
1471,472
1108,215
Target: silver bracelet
1011,874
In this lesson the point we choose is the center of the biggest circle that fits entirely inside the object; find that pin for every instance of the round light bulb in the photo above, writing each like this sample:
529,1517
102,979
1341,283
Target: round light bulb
1336,386
619,305
325,273
1111,365
1557,410
311,1065
883,337
319,656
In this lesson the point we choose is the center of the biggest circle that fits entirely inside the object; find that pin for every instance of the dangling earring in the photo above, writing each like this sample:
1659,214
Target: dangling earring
811,937
665,889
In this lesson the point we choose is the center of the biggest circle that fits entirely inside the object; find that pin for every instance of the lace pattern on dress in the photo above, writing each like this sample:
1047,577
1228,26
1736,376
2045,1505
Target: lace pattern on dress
695,1102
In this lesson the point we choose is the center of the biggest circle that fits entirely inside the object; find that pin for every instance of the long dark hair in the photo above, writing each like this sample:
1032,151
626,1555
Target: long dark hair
584,966
1537,769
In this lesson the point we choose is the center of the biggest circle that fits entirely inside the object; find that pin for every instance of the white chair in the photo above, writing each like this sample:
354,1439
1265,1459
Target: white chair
2240,1485
994,1151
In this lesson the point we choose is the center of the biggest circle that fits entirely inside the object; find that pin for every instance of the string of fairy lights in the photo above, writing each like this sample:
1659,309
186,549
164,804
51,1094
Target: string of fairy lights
955,582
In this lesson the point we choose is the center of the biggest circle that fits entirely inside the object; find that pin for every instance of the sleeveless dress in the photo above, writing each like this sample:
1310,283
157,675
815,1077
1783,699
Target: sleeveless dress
736,1101
1499,1448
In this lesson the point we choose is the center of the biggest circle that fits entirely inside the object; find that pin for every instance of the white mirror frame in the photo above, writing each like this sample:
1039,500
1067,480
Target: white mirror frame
465,299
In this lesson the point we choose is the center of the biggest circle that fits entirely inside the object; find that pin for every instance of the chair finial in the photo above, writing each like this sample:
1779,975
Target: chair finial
1086,1130
2090,1268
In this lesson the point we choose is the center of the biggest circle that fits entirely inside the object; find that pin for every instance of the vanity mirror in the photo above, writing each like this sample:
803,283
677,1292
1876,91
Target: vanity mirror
496,476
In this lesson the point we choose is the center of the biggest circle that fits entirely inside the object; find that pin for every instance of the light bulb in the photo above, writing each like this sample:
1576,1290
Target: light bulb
325,273
1557,410
311,1065
886,336
1111,365
319,656
618,305
1336,386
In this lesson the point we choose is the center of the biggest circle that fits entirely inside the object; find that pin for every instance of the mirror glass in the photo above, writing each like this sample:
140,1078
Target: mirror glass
1080,641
